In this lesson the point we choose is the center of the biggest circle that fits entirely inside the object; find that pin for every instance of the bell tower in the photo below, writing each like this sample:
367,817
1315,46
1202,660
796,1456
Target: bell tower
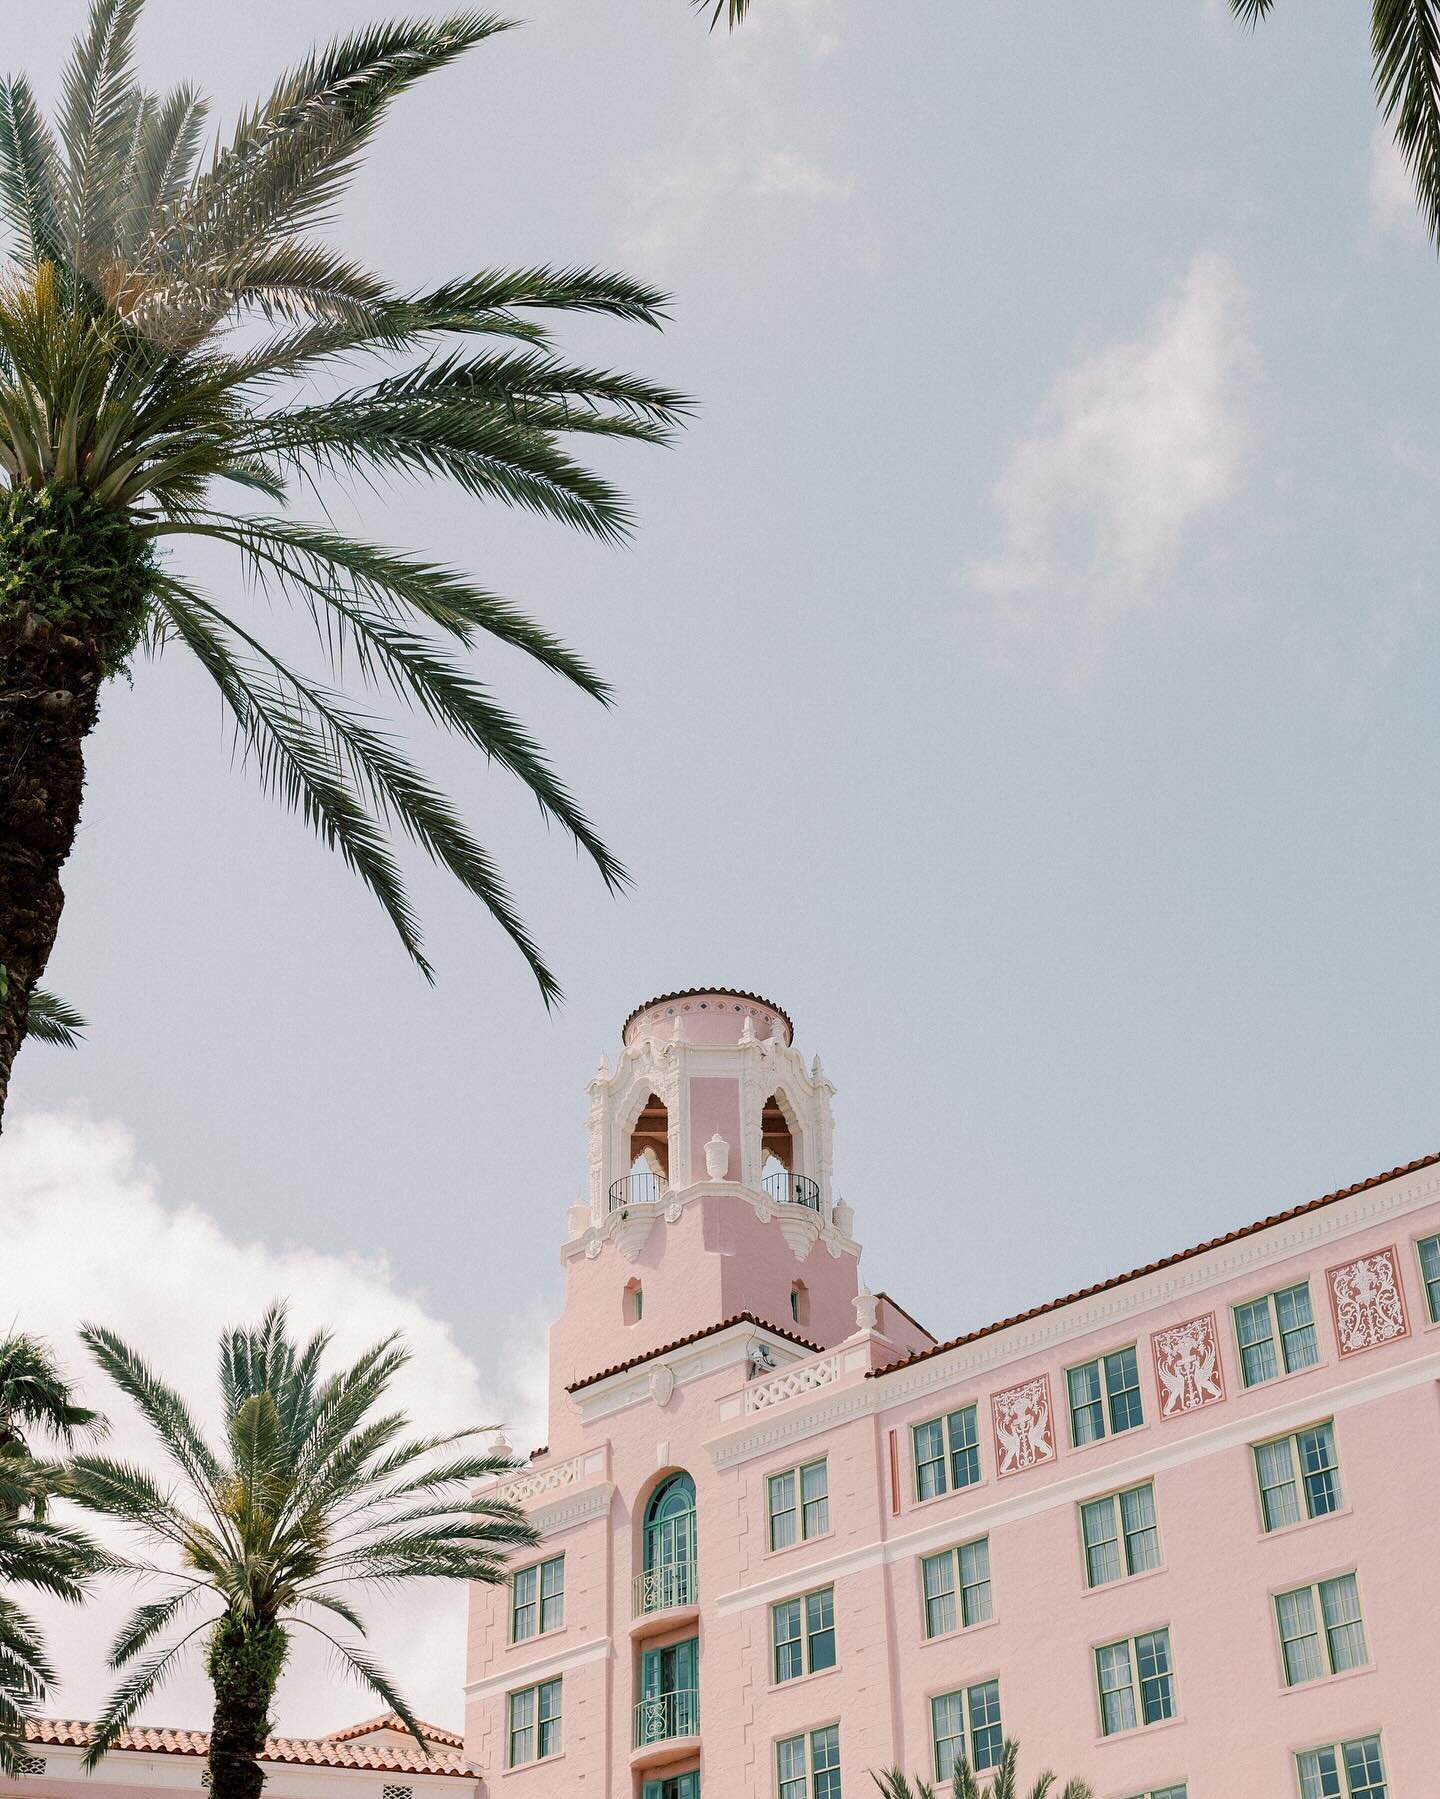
709,1190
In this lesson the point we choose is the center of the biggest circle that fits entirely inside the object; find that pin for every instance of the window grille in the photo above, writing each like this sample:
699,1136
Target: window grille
30,1764
397,1792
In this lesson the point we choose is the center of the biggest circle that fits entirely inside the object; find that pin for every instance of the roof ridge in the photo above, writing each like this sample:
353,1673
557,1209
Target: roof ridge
710,1330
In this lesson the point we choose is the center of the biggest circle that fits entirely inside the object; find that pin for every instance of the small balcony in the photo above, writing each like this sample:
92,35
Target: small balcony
667,1587
663,1721
635,1190
792,1190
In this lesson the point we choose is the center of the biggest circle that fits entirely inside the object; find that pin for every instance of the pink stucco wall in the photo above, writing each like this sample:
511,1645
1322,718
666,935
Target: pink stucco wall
1237,1726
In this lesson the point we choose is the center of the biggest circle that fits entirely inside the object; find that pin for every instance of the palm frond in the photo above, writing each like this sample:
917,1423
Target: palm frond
97,119
736,10
368,1672
35,1395
168,144
125,1702
50,1019
1251,11
1405,39
29,163
163,1408
146,1622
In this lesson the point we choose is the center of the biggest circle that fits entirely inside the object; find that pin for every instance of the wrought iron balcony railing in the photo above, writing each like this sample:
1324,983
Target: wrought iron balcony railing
634,1190
665,1585
793,1189
666,1715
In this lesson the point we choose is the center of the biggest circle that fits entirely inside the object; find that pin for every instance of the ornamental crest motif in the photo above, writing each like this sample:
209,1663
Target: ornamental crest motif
1367,1302
1024,1427
1188,1374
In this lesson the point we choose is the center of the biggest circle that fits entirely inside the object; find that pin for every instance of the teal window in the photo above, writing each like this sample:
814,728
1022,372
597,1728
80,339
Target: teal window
799,1503
1104,1396
946,1452
808,1766
949,1712
537,1598
676,1786
1321,1630
535,1723
670,1536
1121,1535
1276,1334
956,1584
803,1634
1298,1476
1429,1251
1359,1763
669,1693
1136,1680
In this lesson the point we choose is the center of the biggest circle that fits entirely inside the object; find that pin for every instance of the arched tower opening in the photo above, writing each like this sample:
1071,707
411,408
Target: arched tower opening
782,1155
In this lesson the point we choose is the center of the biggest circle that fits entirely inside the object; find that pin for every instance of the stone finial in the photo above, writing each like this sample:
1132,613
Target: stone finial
717,1158
501,1447
867,1309
602,1069
747,1030
577,1219
817,1071
678,1034
844,1217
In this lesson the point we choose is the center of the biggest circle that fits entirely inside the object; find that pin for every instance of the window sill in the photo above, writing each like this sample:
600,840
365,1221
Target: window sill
1290,1530
1126,1581
975,1486
1140,1730
801,1680
1111,1436
1279,1380
539,1761
1327,1680
961,1631
540,1636
824,1536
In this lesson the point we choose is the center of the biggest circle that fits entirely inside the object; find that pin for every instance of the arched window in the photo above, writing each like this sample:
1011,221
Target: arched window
634,1303
670,1544
649,1173
782,1156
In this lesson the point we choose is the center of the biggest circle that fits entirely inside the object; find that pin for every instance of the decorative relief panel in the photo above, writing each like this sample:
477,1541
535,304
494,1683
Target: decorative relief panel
1367,1302
1188,1374
1024,1424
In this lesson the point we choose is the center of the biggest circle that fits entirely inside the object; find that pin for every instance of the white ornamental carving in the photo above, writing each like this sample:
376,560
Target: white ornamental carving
662,1384
1024,1425
521,1487
804,1377
1367,1302
1188,1374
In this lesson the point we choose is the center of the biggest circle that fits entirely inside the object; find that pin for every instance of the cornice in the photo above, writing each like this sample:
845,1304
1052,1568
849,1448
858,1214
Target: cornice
689,1362
517,1673
577,1508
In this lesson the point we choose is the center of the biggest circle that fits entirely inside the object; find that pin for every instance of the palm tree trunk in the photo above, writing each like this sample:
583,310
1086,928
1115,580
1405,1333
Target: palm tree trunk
246,1656
49,693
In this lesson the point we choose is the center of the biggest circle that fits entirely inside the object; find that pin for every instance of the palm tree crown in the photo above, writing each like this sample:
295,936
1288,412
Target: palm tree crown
314,1492
895,1785
172,327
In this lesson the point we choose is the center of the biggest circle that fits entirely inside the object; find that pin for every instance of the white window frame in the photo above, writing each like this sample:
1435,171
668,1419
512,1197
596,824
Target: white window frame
958,1590
1136,1682
1278,1336
1123,1536
541,1599
1342,1772
806,1637
1106,1396
537,1724
800,1508
966,1695
944,1421
784,1784
1429,1285
1299,1479
1323,1632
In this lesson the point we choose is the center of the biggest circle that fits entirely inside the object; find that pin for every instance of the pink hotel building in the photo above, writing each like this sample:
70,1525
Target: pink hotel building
1176,1533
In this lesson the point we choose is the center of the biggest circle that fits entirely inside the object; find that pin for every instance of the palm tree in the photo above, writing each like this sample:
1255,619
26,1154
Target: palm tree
34,1552
50,1019
894,1785
173,328
734,9
314,1492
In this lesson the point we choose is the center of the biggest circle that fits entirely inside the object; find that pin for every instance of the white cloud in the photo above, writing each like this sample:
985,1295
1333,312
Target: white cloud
1391,189
87,1237
1133,446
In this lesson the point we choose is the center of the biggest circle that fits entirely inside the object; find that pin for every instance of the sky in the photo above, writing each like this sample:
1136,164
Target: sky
1025,676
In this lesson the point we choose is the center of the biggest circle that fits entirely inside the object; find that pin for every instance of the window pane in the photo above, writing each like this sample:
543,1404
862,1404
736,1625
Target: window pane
825,1761
1319,1466
815,1499
1142,1539
929,1459
782,1510
1297,1327
975,1581
549,1715
1102,1542
522,1726
938,1576
1319,1774
1364,1769
1299,1636
523,1611
964,1447
1430,1271
790,1766
947,1730
1152,1662
1087,1413
820,1628
552,1593
789,1660
1180,1792
1117,1691
1344,1631
1122,1387
1275,1470
1257,1342
986,1737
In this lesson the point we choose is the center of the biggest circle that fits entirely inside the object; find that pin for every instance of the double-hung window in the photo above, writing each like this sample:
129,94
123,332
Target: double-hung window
799,1502
1428,1249
1136,1679
1174,1792
1358,1763
808,1766
535,1723
1276,1334
802,1632
1104,1396
956,1584
1321,1629
949,1712
1298,1477
1121,1535
947,1452
537,1598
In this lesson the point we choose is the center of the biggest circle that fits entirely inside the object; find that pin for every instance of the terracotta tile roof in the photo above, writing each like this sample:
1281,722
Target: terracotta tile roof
393,1721
710,1330
1135,1274
323,1752
695,992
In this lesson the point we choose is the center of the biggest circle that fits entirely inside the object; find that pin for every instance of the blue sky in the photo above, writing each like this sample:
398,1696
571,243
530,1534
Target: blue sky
1025,661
